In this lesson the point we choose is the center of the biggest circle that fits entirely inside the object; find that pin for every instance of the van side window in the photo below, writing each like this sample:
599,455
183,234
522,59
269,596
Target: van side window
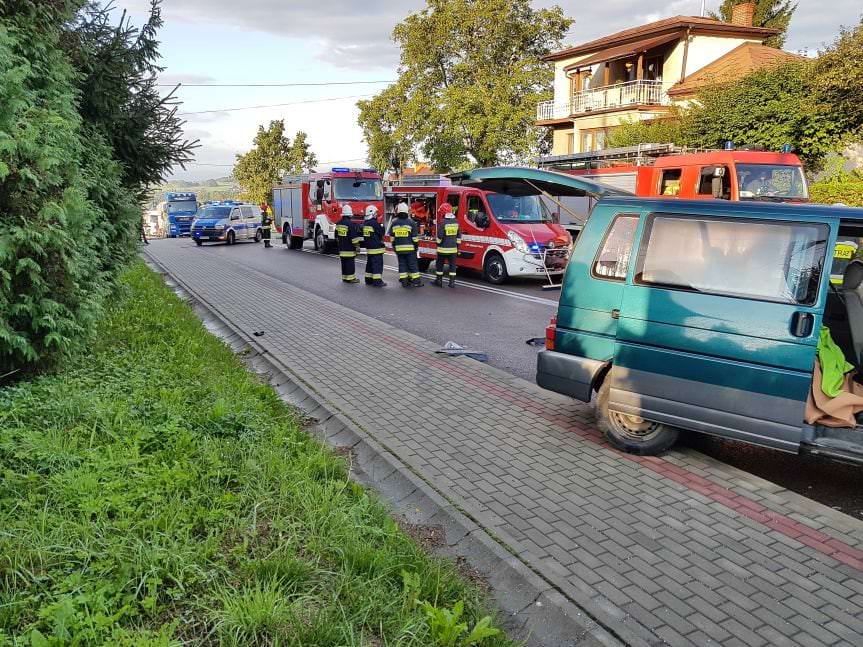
670,182
453,199
705,182
235,214
765,260
612,262
475,209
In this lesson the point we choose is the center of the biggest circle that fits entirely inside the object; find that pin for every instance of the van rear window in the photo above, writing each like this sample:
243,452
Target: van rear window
765,260
612,262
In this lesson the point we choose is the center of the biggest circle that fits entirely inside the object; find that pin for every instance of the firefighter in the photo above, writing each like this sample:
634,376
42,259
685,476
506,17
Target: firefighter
405,239
266,225
448,240
373,233
349,237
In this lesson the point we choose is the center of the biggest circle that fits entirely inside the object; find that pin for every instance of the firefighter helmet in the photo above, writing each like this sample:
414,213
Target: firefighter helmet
402,208
371,211
347,211
445,211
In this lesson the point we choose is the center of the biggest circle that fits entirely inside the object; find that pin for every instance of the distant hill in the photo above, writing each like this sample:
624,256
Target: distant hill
223,188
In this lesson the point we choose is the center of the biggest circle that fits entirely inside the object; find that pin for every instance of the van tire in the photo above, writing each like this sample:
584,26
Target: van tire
494,269
296,242
424,264
231,238
644,438
199,242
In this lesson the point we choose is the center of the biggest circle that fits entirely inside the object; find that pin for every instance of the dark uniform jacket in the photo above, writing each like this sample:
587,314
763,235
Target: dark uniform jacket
404,235
448,236
348,236
373,233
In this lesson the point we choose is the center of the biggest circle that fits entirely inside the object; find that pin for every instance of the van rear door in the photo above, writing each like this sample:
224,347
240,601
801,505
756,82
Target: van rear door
720,320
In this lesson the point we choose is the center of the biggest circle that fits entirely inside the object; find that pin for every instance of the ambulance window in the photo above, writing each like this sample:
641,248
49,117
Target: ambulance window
475,211
612,262
453,199
705,181
670,182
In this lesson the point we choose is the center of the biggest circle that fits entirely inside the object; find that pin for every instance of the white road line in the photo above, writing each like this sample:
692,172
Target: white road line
472,286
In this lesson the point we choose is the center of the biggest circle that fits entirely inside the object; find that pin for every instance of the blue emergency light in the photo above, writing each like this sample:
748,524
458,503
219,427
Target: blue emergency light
786,148
340,169
729,145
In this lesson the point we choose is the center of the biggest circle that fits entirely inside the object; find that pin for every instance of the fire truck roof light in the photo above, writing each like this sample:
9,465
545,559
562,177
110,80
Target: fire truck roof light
340,169
729,145
369,170
786,148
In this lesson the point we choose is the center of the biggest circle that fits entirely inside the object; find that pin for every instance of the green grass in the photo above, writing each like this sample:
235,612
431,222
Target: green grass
155,492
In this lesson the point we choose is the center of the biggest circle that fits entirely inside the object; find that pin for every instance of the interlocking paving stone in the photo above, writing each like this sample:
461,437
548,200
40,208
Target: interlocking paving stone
740,558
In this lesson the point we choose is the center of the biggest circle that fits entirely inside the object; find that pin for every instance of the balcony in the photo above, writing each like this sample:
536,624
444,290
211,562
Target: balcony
619,96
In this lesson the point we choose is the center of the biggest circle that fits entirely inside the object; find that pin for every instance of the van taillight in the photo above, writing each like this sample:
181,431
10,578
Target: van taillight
549,333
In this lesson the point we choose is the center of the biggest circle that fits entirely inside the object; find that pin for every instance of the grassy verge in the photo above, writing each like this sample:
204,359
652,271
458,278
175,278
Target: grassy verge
155,492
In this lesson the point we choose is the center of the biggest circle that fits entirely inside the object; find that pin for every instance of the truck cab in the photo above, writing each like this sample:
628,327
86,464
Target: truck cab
503,236
179,210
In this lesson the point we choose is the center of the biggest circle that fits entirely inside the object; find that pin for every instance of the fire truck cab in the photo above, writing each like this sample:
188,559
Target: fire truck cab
308,206
504,235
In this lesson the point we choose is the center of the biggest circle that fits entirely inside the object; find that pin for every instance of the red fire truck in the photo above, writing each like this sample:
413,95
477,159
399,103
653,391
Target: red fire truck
502,236
309,206
673,171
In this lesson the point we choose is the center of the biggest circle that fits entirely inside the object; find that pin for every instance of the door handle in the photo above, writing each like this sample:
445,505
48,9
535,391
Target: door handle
615,314
802,324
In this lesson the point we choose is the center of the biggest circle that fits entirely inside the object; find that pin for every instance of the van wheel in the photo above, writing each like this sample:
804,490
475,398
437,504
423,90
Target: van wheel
198,242
424,264
632,434
231,238
258,236
296,242
494,269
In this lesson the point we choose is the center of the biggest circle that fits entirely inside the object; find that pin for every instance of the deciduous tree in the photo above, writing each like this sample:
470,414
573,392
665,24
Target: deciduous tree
470,77
272,157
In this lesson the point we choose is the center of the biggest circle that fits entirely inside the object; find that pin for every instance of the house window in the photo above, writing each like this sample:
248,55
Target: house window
570,143
653,68
593,139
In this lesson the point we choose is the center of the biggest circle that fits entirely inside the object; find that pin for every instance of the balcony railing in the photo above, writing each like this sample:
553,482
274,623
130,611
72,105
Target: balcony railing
619,95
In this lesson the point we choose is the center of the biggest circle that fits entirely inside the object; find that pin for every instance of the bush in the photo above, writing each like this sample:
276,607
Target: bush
842,186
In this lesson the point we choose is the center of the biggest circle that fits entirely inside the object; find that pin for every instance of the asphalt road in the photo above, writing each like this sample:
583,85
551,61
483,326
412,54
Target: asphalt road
498,321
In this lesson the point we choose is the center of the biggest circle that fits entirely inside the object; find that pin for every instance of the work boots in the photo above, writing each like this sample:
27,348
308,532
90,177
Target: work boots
369,281
417,282
438,282
452,281
406,283
378,283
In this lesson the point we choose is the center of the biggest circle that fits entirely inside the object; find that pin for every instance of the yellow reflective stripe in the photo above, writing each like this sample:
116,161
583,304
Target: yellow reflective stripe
415,275
348,276
357,240
376,250
377,276
368,231
401,231
439,273
416,239
403,275
347,254
404,248
450,230
341,230
446,250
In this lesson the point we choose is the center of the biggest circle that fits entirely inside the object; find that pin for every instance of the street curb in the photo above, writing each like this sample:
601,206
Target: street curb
532,609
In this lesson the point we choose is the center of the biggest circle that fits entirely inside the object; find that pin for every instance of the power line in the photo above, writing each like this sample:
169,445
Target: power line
274,105
268,85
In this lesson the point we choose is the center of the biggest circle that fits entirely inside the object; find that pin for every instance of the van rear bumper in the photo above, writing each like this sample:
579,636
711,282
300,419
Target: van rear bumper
567,374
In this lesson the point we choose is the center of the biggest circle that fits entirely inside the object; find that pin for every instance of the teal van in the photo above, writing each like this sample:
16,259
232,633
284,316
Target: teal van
699,315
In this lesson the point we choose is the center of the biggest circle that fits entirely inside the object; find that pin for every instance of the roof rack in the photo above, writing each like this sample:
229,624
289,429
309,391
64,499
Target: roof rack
640,155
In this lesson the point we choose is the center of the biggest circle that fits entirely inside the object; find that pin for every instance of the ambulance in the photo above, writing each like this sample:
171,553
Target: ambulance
308,206
504,235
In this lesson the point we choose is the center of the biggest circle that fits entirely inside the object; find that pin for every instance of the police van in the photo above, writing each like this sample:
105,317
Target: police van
227,221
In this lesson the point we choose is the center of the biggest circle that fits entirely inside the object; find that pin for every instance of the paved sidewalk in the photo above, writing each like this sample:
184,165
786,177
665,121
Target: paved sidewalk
679,549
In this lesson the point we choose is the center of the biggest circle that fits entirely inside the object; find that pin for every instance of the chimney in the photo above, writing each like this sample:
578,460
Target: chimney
743,14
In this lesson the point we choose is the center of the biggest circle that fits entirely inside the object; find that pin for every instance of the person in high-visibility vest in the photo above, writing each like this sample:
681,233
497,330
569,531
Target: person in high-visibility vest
349,237
448,240
266,225
405,240
373,234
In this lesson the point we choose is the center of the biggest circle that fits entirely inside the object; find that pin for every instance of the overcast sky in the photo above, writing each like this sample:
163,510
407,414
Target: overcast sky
340,41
